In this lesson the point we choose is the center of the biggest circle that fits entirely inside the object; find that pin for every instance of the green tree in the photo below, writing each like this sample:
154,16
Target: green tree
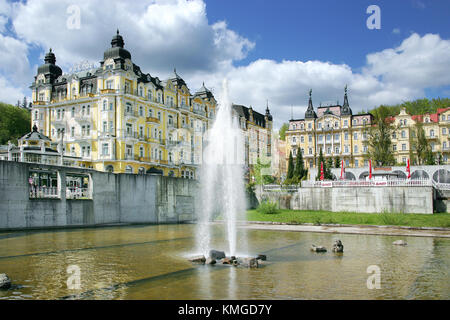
337,162
321,160
283,130
14,123
290,171
259,175
328,175
300,172
421,145
429,157
379,141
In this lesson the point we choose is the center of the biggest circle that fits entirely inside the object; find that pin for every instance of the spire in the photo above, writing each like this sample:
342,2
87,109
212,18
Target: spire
310,111
35,128
267,107
117,41
346,107
50,57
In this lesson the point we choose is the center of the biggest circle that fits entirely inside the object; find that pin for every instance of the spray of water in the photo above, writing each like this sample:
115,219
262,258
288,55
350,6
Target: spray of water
222,176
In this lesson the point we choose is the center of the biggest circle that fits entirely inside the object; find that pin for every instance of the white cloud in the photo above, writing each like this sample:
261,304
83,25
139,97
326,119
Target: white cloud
9,93
176,33
396,31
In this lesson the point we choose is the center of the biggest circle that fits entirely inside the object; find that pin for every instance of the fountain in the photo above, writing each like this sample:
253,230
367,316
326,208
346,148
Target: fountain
222,178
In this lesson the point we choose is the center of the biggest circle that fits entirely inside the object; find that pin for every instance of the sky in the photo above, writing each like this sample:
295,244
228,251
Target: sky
270,51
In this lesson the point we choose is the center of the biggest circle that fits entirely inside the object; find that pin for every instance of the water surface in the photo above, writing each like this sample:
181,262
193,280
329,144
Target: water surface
149,262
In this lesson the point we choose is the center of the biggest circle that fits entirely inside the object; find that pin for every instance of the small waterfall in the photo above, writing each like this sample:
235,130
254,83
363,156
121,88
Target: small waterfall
222,177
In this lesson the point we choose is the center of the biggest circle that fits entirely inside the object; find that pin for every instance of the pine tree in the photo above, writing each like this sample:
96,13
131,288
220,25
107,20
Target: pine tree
337,162
321,160
25,103
299,171
290,171
327,170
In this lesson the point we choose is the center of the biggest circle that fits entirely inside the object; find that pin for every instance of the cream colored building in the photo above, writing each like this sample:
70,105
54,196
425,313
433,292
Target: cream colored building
118,119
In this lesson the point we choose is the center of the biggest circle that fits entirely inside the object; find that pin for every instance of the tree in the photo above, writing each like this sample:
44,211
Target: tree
300,172
25,103
328,175
321,160
421,145
290,171
379,141
14,123
337,162
258,173
429,157
283,130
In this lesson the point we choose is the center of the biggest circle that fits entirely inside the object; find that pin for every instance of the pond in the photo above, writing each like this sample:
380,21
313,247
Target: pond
150,262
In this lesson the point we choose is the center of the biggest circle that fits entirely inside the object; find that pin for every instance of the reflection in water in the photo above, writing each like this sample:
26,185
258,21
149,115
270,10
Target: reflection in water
148,262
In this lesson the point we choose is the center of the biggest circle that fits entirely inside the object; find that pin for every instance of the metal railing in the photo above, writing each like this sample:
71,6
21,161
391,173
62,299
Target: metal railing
279,188
369,183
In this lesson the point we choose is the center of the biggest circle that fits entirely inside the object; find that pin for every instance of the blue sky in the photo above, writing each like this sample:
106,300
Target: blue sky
268,50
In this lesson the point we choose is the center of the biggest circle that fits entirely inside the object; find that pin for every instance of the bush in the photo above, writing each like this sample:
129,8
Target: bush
268,207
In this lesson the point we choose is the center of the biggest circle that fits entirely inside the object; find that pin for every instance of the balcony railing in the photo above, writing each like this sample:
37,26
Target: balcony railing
152,119
78,193
43,192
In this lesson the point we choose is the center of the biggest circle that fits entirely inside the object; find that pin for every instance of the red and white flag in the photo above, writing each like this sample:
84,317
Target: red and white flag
342,170
321,171
408,169
370,169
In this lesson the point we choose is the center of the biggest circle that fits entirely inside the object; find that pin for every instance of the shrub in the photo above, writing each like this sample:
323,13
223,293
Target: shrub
267,207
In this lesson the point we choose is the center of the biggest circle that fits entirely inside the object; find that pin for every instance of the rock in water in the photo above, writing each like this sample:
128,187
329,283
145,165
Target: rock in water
210,261
198,259
5,282
261,257
399,243
250,262
338,246
315,248
227,261
216,255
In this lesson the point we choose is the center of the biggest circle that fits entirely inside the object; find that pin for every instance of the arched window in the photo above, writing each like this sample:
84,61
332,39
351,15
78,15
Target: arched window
129,169
141,170
109,169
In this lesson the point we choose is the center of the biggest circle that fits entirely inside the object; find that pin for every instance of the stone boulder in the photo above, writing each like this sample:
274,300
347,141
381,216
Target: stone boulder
249,262
227,261
198,259
216,255
338,246
315,248
261,257
399,243
210,261
5,282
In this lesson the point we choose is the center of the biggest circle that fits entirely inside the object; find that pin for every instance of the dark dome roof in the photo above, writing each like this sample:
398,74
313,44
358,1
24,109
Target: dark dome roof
50,66
117,50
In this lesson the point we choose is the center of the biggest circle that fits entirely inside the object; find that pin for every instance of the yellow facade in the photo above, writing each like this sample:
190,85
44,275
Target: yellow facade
344,136
115,118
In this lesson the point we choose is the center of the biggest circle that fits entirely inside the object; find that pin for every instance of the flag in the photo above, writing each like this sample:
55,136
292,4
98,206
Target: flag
370,169
342,170
408,169
321,171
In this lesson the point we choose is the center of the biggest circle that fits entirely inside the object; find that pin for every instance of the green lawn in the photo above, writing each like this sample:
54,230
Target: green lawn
327,217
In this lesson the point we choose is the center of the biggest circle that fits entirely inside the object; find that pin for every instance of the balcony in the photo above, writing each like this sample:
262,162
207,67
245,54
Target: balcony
108,91
142,137
432,137
39,103
105,135
130,135
185,107
131,115
200,112
85,118
152,120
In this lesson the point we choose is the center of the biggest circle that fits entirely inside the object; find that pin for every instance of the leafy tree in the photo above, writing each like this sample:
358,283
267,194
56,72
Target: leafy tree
257,172
14,123
283,130
321,160
429,157
421,145
379,141
328,175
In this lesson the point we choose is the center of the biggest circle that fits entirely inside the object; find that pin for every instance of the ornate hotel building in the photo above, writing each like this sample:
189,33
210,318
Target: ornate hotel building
116,118
342,135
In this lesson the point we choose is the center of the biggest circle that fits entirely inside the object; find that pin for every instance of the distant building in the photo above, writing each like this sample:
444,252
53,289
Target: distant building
34,147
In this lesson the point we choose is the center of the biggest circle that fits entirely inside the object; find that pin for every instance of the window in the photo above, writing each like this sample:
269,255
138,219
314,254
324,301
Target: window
105,149
110,84
320,138
356,149
431,133
346,136
403,134
356,163
88,110
159,115
83,110
104,105
141,111
88,130
336,124
403,146
394,135
302,139
129,129
141,131
105,126
329,150
328,137
72,112
364,149
345,123
111,127
310,125
444,130
72,132
310,138
149,94
346,149
444,145
110,106
336,149
394,147
355,136
310,151
320,125
141,151
141,91
150,112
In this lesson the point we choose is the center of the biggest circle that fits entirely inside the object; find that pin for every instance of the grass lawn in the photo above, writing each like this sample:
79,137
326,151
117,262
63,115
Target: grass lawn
327,217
